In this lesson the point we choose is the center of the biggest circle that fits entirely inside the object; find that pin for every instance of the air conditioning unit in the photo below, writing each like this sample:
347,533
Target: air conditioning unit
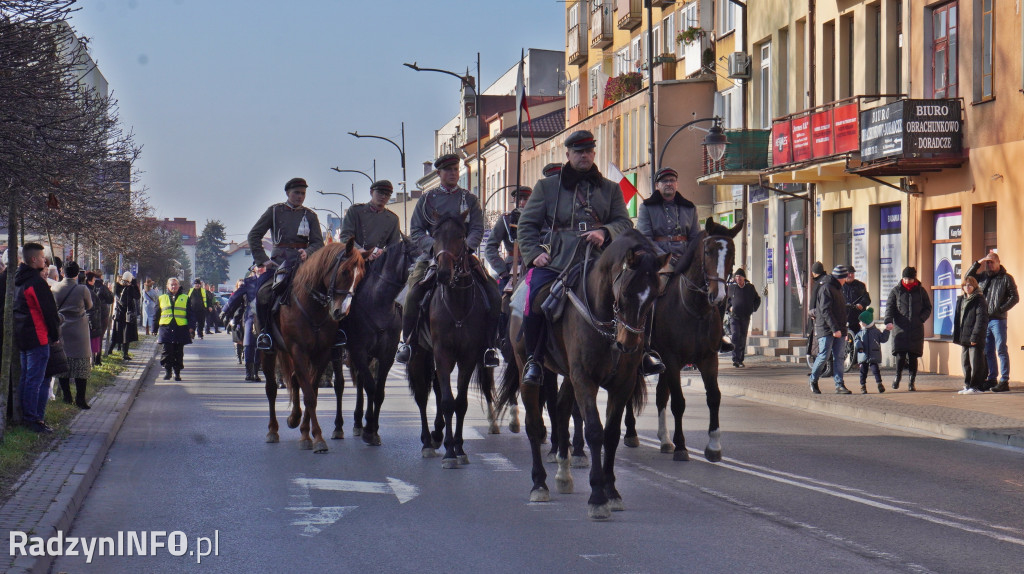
739,66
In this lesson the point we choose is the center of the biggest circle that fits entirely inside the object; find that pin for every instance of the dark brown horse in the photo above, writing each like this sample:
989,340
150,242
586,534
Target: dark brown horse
304,333
598,343
458,328
688,330
374,327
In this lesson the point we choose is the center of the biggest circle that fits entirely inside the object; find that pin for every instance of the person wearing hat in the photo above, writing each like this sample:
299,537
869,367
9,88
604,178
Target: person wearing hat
867,348
830,329
504,234
201,303
906,311
667,218
743,301
1000,291
551,169
295,233
448,199
578,205
372,224
127,301
817,275
242,298
857,299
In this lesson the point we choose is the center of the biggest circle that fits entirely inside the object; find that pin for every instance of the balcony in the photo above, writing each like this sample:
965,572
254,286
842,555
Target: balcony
602,26
662,3
630,13
746,155
577,46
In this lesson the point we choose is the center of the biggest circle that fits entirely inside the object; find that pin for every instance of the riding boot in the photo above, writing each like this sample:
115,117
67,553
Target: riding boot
913,377
263,340
533,340
65,390
80,394
409,319
167,373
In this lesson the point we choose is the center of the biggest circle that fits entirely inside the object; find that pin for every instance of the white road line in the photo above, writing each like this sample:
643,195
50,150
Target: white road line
498,462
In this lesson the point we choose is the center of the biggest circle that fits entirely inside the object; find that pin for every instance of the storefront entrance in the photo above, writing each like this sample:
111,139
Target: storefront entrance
795,265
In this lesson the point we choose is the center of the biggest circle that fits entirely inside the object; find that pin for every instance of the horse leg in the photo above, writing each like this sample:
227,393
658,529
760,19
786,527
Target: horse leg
565,401
550,390
678,407
492,416
357,416
437,437
709,372
579,453
420,382
661,402
631,439
310,420
271,390
587,396
513,421
443,368
339,389
378,401
616,406
462,406
370,385
531,397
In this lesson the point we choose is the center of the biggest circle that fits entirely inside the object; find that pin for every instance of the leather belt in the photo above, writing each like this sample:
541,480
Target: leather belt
292,245
670,238
584,227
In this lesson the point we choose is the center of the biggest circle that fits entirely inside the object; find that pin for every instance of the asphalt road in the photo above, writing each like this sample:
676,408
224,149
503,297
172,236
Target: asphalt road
796,492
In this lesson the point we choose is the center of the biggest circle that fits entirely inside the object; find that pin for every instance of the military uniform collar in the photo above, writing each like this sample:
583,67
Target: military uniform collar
292,207
446,191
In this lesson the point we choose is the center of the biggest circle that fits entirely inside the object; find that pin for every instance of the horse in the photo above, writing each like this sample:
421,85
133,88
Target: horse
304,333
597,343
374,328
457,335
688,330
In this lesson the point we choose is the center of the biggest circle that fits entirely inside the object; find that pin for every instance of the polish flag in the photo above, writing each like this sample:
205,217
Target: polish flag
627,187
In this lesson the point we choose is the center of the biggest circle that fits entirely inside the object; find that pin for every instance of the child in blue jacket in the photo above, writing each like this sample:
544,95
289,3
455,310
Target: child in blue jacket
867,343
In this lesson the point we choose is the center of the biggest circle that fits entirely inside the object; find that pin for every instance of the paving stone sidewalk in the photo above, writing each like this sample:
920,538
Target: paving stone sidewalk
47,497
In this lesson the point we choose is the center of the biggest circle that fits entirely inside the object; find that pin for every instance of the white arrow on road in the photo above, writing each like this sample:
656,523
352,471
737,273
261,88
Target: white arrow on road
402,490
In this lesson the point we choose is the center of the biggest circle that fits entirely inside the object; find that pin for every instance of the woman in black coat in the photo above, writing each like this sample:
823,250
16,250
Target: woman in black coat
127,297
970,321
905,314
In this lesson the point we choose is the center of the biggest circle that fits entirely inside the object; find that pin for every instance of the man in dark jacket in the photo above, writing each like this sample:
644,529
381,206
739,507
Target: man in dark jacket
857,299
200,303
372,224
503,234
667,218
1000,291
743,302
245,298
830,329
36,325
817,274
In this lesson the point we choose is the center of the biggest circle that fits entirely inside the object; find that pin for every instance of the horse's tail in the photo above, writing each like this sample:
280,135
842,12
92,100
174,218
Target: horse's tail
639,398
484,378
508,390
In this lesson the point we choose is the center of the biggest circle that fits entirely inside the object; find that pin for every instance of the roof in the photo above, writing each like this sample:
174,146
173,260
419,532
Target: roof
186,227
233,247
543,127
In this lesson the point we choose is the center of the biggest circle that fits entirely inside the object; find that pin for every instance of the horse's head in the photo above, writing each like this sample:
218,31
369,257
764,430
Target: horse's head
394,265
634,270
342,277
450,249
718,257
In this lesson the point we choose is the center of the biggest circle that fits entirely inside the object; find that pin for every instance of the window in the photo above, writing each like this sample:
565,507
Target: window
636,53
669,35
846,56
842,237
726,17
657,39
621,64
573,94
597,81
946,277
828,58
782,101
983,89
873,74
687,18
574,15
943,52
641,140
989,239
764,85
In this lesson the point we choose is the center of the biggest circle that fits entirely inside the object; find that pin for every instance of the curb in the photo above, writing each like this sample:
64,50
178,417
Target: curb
96,434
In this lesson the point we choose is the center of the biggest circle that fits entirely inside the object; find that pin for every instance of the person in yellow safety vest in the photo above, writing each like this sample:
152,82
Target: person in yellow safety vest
175,328
200,304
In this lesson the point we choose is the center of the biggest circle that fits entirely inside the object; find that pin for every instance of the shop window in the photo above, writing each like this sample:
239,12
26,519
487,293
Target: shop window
890,252
989,239
947,269
842,237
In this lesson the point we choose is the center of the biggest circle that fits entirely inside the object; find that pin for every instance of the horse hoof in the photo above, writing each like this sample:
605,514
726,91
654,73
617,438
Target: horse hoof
428,452
494,429
305,444
667,447
713,455
372,439
681,455
540,494
615,505
320,446
463,459
436,444
552,457
564,486
449,464
357,431
513,427
631,441
338,433
293,422
580,461
273,437
598,512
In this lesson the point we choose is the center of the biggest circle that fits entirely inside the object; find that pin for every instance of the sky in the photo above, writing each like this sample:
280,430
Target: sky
229,99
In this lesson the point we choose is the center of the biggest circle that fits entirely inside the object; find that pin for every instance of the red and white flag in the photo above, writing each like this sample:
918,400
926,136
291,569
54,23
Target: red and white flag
627,187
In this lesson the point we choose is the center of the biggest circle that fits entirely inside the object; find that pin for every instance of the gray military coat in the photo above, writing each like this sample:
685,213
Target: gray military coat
283,221
503,233
74,300
437,203
555,217
670,225
370,228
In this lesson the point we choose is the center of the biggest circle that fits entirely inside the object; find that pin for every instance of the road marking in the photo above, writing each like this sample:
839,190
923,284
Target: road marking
402,490
498,462
313,519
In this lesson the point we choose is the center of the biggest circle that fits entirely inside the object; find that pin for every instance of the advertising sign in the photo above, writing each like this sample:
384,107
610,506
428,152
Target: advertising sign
769,265
860,252
821,128
932,127
881,132
782,151
844,128
801,133
948,225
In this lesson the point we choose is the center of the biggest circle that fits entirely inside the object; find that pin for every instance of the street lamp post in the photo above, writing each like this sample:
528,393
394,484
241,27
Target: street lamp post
339,170
715,141
340,204
401,151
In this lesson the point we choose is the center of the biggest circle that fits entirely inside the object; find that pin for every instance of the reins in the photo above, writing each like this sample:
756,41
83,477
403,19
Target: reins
323,299
606,329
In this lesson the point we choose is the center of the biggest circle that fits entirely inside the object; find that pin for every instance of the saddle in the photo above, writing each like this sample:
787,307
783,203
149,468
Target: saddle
558,291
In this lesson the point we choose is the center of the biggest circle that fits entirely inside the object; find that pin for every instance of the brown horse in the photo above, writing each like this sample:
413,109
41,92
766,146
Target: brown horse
688,330
304,333
598,343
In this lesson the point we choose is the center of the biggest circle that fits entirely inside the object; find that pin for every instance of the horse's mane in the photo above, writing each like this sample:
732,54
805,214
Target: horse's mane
457,219
629,240
683,265
315,269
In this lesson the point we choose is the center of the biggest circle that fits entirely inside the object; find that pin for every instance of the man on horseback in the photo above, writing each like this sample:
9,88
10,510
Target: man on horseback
565,212
667,218
504,234
372,224
446,200
295,231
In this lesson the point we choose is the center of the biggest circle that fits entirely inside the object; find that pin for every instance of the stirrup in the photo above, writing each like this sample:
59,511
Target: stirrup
341,339
264,342
492,358
651,364
404,354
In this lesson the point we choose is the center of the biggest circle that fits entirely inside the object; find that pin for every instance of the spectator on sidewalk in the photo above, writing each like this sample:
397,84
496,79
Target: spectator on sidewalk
99,315
905,314
149,305
830,330
857,299
200,306
817,274
867,344
175,328
126,314
36,325
74,301
1000,291
743,302
970,323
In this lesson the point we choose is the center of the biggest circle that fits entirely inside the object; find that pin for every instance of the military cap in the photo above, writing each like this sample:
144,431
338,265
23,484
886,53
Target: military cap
580,140
295,182
552,169
447,160
383,186
665,172
521,190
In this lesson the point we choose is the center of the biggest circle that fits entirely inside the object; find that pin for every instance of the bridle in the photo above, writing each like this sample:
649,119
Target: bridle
707,280
607,329
460,267
323,299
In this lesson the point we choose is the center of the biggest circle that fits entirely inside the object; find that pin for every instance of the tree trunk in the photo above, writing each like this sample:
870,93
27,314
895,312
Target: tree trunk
7,361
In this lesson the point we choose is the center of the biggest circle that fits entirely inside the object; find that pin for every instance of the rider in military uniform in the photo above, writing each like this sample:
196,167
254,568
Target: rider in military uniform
504,233
445,200
578,204
373,225
667,218
295,231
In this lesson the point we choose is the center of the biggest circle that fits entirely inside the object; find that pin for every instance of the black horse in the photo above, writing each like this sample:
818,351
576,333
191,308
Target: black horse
598,343
457,335
373,326
688,330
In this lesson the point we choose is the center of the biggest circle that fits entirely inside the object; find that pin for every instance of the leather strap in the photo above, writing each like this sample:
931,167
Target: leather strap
670,238
292,245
